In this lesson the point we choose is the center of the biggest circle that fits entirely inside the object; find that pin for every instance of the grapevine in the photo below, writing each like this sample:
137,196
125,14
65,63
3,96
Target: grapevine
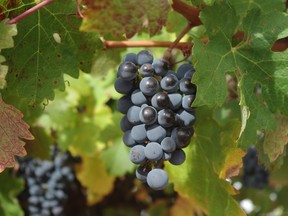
158,114
151,68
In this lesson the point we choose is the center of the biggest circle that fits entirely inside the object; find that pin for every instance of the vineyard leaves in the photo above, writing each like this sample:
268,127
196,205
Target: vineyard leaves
202,175
48,45
93,175
6,41
275,141
252,61
12,130
124,16
9,189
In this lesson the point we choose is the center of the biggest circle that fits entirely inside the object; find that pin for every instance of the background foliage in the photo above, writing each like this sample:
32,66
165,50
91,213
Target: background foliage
56,72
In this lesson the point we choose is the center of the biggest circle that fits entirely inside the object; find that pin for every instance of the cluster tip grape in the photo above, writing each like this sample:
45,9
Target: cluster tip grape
158,114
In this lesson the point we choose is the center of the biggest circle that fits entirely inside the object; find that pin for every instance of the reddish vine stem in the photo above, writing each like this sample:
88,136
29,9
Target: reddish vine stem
125,44
192,16
190,13
167,54
79,10
279,45
29,11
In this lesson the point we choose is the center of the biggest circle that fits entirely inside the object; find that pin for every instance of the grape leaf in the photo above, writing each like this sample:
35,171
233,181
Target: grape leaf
208,160
12,128
116,158
48,44
93,175
9,190
195,178
6,41
124,17
251,60
276,140
7,32
40,146
184,206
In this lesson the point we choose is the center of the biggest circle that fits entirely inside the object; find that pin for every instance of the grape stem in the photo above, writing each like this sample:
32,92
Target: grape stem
28,12
192,16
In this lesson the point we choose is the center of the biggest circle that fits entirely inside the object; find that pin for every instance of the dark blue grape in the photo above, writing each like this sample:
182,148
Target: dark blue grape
153,151
130,57
161,66
157,179
149,86
169,83
127,71
123,86
144,56
147,70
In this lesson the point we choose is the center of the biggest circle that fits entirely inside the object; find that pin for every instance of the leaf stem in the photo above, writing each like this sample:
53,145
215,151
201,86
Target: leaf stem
192,16
189,12
125,44
174,44
29,11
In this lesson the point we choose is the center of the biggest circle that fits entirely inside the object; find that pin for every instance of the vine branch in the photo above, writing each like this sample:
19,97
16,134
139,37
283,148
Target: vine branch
28,12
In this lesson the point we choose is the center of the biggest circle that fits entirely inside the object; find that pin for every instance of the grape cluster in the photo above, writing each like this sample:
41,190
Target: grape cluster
158,116
255,175
47,183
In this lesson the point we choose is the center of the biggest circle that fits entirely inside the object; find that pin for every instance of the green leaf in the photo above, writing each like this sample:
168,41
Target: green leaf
197,180
93,176
120,17
6,41
212,155
10,188
116,158
251,60
7,32
276,140
40,146
48,45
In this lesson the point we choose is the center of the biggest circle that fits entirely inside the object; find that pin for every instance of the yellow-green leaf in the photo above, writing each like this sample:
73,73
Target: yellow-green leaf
93,175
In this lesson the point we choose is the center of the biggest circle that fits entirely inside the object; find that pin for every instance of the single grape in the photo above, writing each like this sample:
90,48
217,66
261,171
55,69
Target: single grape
137,154
187,101
127,71
123,86
169,83
166,118
147,70
186,87
142,172
183,69
160,100
133,115
178,157
128,140
138,98
130,57
156,133
148,115
161,66
175,101
157,179
149,86
187,118
182,136
138,133
144,56
153,151
167,156
168,144
125,124
124,103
